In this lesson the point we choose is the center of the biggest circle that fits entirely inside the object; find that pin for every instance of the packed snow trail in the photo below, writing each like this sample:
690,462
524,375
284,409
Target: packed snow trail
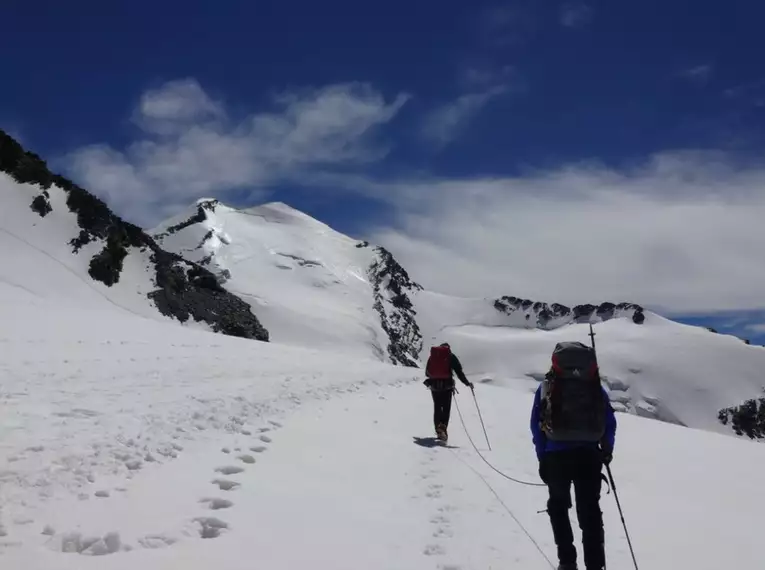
351,479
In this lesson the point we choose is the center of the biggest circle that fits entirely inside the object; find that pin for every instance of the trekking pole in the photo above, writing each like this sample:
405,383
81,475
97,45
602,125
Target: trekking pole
621,514
481,418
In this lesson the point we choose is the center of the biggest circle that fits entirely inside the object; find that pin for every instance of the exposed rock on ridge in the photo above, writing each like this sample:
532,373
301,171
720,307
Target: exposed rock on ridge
546,316
184,290
392,286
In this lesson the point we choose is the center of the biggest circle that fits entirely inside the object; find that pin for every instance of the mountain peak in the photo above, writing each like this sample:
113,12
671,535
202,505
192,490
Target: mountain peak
282,213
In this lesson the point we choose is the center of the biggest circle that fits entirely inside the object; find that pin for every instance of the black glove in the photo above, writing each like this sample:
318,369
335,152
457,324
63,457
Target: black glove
606,455
470,385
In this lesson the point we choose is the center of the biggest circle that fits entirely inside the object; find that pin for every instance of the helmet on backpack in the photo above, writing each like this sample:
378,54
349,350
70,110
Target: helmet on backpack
573,407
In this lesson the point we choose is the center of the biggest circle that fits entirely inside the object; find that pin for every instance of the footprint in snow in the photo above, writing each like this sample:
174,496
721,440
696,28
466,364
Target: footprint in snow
210,527
440,519
225,484
265,439
230,470
247,459
217,504
155,541
434,550
258,448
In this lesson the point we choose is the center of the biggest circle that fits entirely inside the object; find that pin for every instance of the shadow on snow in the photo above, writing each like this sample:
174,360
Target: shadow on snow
431,442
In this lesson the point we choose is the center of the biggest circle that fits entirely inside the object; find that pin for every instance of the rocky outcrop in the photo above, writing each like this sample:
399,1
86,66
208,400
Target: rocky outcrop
546,316
41,204
203,206
184,290
392,286
747,419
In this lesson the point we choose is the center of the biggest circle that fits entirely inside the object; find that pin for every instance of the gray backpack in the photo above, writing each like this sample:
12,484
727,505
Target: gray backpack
573,407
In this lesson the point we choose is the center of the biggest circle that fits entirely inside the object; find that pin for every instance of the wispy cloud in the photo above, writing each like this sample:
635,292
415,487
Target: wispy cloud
681,232
445,123
751,94
758,328
189,147
575,15
482,75
481,84
700,74
176,105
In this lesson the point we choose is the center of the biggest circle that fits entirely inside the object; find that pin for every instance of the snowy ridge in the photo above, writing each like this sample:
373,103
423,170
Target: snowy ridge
316,288
393,291
308,284
50,228
543,316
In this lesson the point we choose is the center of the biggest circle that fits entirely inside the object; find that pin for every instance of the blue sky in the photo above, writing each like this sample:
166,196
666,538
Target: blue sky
484,142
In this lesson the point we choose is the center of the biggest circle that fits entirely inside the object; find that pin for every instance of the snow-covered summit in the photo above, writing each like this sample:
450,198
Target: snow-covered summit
309,284
288,263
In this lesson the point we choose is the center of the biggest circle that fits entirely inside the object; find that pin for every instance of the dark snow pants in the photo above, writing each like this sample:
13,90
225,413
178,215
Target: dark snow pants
442,406
582,467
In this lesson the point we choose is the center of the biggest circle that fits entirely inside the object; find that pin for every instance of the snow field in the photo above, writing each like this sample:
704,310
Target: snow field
351,479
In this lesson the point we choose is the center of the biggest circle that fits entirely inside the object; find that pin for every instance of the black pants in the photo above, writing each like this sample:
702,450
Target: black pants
582,467
442,406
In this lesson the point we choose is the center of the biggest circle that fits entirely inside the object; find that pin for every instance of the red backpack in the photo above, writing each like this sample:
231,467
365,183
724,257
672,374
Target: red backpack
439,366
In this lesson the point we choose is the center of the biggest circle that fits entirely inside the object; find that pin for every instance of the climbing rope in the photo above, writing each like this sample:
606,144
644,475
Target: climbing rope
493,491
470,439
509,511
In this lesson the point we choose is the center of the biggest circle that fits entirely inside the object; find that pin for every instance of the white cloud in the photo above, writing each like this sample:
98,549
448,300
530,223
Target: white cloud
480,75
176,103
758,328
575,15
699,73
190,148
683,232
445,123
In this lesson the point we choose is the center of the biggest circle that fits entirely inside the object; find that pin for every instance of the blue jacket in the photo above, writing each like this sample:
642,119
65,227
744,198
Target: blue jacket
543,445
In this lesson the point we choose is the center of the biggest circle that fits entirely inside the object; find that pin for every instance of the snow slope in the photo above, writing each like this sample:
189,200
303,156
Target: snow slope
59,243
159,447
314,287
661,369
307,283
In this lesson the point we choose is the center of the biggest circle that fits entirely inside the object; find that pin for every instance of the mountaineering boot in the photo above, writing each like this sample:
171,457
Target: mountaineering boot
567,567
441,432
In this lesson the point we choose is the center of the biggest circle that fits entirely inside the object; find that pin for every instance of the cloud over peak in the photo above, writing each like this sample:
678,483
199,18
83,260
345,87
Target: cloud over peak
189,147
682,231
